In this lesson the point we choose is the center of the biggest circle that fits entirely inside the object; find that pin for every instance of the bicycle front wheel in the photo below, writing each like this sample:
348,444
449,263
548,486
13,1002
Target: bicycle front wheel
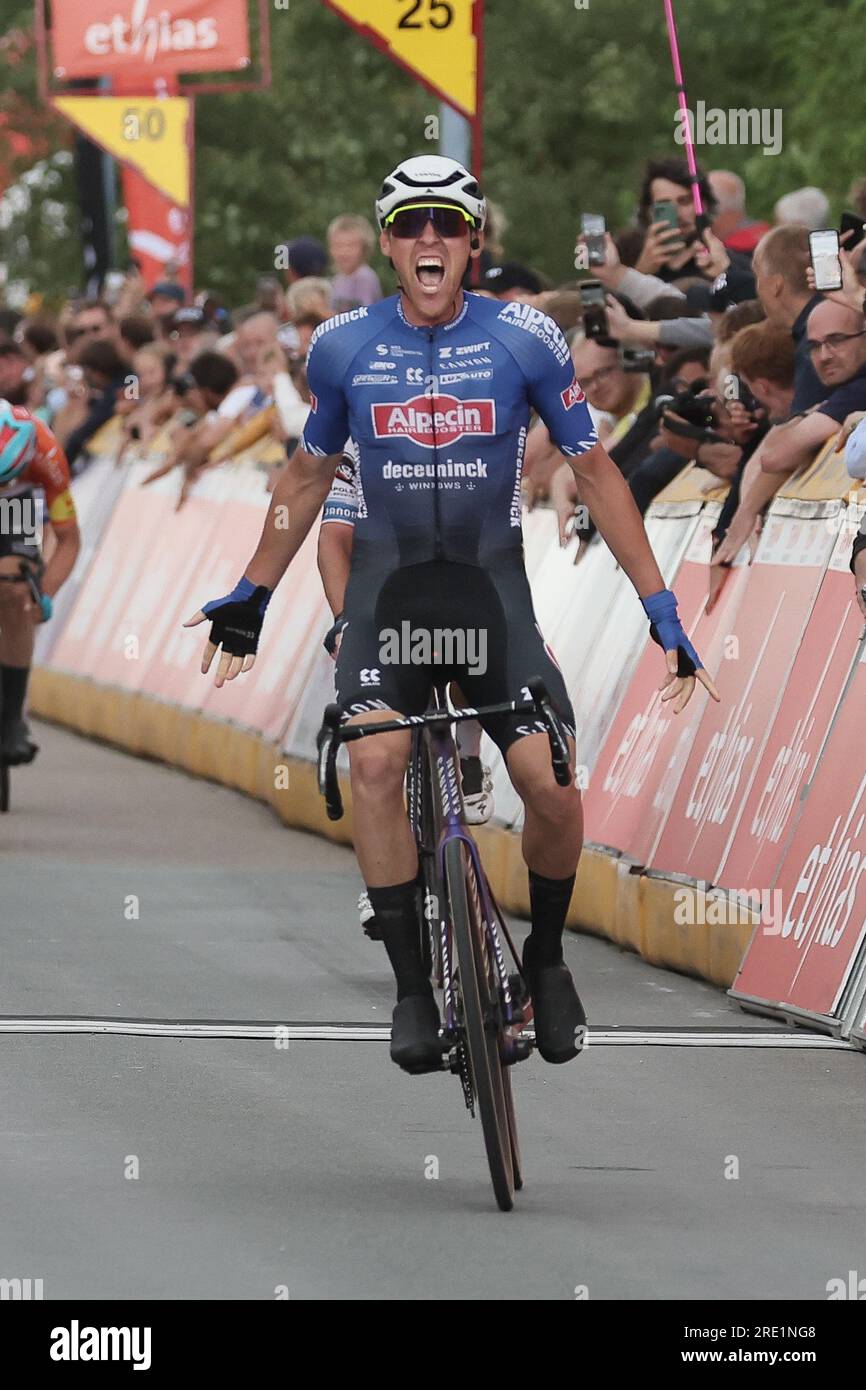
480,1022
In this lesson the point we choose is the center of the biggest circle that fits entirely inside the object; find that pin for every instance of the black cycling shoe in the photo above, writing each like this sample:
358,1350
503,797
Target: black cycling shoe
415,1044
16,747
560,1021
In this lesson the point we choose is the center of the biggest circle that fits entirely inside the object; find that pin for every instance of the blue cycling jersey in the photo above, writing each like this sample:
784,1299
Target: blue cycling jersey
439,418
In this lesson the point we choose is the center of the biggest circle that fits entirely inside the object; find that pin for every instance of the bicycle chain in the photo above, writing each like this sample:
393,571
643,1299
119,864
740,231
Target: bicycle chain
465,1075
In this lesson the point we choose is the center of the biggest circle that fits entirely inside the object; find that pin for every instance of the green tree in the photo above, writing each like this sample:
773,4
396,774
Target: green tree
575,101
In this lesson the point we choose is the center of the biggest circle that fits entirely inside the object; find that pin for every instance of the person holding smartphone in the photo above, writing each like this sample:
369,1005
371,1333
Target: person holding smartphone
666,213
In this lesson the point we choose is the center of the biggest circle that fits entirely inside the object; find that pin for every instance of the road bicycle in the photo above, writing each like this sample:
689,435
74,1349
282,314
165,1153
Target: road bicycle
485,1002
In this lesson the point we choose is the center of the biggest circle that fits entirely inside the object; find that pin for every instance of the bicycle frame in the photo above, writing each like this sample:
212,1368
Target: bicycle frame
435,726
444,765
483,1011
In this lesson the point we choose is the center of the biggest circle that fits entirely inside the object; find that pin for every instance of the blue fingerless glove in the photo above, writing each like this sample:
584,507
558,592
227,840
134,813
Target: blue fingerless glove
667,630
236,619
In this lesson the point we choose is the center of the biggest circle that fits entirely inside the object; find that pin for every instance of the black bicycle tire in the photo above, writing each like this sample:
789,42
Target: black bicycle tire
4,787
482,1046
506,1073
424,830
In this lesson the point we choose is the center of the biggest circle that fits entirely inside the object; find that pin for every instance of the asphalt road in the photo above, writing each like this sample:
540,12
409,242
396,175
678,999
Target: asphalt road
305,1169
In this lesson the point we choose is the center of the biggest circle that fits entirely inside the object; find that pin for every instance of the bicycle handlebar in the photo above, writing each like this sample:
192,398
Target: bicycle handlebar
30,576
333,732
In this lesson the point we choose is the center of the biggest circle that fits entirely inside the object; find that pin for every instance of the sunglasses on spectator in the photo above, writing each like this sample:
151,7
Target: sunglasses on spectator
409,222
834,340
587,382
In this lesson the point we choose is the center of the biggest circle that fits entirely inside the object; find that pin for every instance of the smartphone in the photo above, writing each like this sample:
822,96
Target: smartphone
636,359
592,296
824,254
592,230
666,211
852,222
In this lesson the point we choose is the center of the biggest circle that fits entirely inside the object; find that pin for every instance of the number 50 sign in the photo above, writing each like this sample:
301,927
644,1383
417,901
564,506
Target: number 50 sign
438,41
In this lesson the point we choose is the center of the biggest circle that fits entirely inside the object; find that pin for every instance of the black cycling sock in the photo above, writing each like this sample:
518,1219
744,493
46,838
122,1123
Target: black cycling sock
13,690
396,909
549,899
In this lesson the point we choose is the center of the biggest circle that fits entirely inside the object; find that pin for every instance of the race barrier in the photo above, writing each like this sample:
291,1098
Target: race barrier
727,842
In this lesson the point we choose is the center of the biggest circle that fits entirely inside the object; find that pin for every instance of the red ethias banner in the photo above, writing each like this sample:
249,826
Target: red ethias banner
805,957
433,421
707,808
95,38
158,231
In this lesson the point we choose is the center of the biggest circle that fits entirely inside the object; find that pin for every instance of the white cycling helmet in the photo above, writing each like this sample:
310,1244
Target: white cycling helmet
431,176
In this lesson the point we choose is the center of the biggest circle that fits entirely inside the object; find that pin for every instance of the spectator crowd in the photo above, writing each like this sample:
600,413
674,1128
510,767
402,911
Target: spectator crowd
703,345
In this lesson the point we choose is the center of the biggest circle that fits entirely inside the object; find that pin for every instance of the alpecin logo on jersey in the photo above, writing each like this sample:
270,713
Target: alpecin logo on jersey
573,395
433,421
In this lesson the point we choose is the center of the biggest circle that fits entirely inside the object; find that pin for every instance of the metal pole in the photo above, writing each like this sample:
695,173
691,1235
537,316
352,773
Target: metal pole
455,135
684,108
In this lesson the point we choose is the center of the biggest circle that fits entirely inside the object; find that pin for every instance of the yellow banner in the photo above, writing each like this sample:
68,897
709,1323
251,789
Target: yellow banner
149,134
435,39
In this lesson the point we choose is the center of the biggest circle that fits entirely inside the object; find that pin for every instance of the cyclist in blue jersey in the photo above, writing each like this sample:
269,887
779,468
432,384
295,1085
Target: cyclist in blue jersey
436,387
336,535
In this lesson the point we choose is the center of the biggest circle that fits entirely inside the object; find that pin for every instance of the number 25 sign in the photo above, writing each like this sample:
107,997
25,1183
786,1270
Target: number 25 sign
438,41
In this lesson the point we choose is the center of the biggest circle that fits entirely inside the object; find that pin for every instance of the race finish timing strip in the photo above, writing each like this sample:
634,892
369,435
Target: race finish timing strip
371,1032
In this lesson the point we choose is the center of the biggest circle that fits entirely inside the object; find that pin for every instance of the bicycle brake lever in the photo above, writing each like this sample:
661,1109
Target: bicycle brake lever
558,746
327,746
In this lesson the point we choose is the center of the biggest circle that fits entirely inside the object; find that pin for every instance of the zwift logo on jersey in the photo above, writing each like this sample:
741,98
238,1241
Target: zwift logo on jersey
573,395
433,421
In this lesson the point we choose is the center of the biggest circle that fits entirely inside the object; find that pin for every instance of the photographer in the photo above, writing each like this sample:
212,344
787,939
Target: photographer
683,378
670,247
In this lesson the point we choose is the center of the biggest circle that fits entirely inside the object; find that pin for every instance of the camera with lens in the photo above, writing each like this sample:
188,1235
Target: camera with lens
692,405
690,414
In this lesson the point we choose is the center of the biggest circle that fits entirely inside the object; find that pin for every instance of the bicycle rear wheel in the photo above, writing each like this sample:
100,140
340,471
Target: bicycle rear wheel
481,1024
512,1129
